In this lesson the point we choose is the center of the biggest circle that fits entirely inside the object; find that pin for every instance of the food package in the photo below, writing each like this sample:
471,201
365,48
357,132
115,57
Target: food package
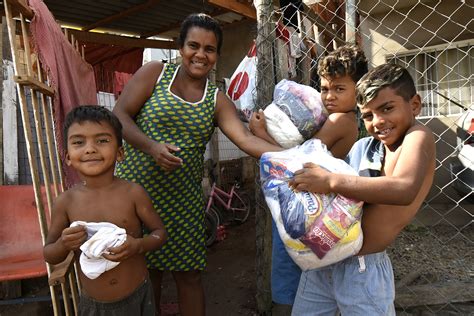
295,114
317,229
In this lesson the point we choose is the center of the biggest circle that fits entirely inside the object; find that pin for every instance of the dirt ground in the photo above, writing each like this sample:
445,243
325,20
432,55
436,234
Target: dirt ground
229,280
440,254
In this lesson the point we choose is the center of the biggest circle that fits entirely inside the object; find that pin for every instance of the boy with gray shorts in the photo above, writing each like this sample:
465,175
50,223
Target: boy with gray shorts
101,218
396,168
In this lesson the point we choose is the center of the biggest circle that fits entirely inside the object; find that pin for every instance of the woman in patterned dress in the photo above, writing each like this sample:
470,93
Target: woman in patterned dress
169,113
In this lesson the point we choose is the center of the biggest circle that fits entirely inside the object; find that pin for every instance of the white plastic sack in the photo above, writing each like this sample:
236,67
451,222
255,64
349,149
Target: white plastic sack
295,114
242,87
316,229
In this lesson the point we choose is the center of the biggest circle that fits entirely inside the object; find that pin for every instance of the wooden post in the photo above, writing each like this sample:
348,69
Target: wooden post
21,86
54,164
265,86
37,120
304,63
351,11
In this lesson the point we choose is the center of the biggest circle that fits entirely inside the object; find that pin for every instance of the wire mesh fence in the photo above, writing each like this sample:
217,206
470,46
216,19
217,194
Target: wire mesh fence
433,257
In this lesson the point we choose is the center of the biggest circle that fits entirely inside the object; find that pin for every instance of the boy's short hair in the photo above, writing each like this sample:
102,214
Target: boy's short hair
92,113
393,76
347,60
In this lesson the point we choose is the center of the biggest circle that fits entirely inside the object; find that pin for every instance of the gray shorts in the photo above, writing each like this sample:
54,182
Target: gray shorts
140,303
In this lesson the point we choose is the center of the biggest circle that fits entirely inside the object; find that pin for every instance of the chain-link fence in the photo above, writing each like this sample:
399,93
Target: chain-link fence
433,257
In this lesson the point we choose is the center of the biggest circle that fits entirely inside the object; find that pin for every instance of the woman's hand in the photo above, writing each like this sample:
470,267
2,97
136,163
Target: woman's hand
163,155
258,127
258,124
311,178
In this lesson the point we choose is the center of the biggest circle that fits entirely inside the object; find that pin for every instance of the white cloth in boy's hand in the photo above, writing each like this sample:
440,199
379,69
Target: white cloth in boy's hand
100,237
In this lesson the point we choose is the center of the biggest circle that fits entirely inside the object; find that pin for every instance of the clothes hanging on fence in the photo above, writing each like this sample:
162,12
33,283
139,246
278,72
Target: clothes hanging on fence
70,76
293,44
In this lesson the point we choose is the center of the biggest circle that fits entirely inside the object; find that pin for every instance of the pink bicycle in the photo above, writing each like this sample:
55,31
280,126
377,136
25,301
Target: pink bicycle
224,208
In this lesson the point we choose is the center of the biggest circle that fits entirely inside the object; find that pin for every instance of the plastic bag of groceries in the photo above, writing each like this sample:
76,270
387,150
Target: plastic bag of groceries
295,114
242,87
317,229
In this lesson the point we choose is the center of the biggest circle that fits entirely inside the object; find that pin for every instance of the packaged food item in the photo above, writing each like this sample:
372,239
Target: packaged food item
295,114
317,229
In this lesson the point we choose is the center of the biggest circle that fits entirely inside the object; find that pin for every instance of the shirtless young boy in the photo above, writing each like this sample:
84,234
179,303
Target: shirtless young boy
339,72
396,168
93,137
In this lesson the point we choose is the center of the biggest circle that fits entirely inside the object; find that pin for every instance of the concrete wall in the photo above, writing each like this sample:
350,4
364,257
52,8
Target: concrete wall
237,41
444,150
442,203
413,26
394,27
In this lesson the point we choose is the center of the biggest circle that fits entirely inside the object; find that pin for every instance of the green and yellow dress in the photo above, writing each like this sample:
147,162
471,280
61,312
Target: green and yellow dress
176,195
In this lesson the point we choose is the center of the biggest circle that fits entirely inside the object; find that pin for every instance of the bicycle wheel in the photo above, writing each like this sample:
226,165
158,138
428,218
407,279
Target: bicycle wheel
211,228
226,216
215,213
240,207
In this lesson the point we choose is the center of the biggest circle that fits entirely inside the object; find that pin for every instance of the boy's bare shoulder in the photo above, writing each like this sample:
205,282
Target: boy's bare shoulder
344,123
130,187
67,196
421,127
339,118
421,132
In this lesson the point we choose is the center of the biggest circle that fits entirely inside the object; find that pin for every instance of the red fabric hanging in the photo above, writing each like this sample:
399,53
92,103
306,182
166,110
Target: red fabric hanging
108,59
120,80
70,76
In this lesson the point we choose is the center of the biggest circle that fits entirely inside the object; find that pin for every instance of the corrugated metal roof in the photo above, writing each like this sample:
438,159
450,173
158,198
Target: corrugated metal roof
141,18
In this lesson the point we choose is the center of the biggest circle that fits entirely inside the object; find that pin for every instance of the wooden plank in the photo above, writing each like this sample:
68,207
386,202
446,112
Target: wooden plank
322,25
34,84
409,278
176,26
434,294
21,6
129,11
127,41
59,273
237,7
